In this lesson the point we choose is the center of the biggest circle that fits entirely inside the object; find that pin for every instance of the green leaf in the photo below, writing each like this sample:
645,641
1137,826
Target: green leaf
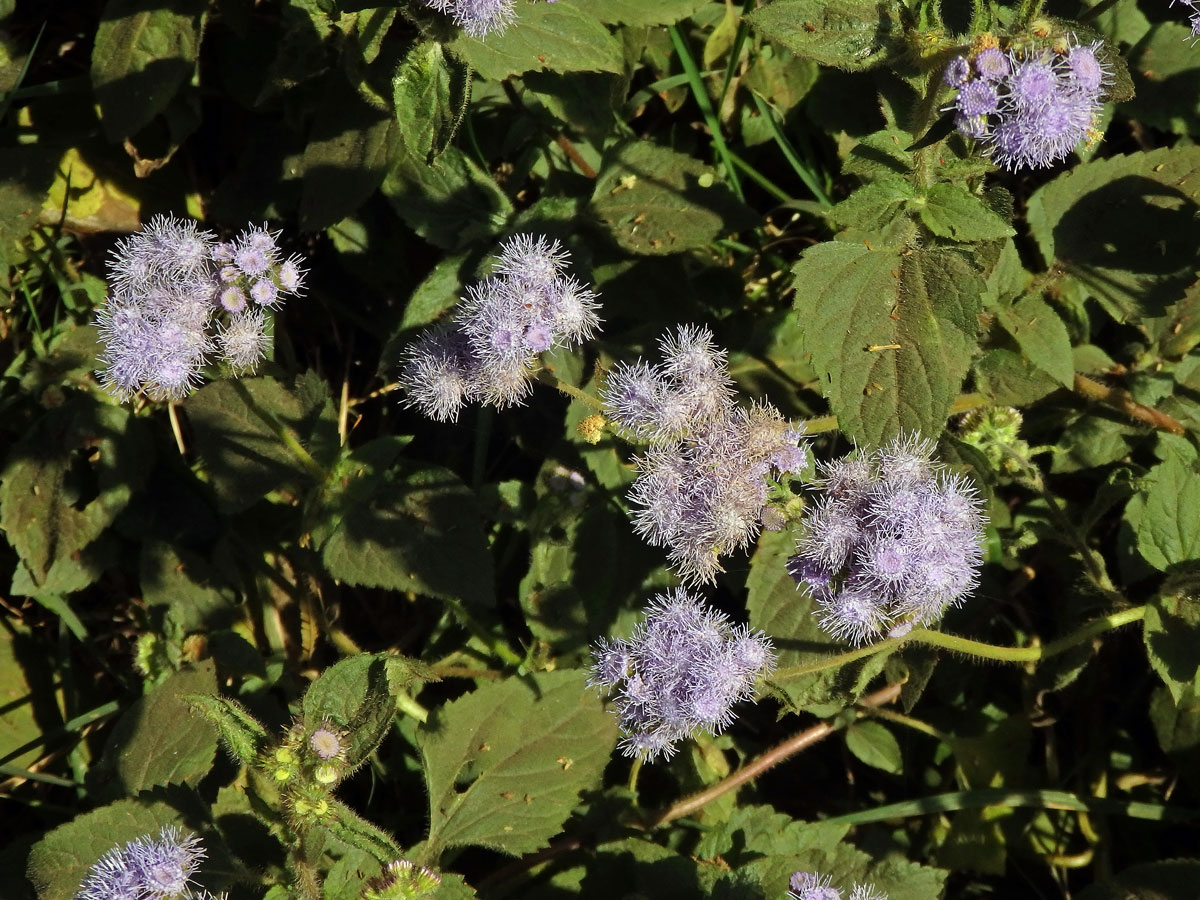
68,478
1103,222
753,831
505,764
450,203
1166,516
431,93
143,52
561,37
27,175
1167,79
880,154
654,201
1172,879
872,743
186,586
27,704
1172,635
852,299
350,149
1042,336
356,694
242,454
873,205
951,211
413,528
160,740
59,862
849,34
638,12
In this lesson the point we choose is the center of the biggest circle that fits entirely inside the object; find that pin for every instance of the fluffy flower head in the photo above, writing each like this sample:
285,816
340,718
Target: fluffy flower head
147,868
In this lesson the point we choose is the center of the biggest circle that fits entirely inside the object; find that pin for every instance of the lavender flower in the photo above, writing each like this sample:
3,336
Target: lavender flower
811,886
478,18
178,298
1029,108
682,671
702,486
1193,7
146,868
892,543
488,353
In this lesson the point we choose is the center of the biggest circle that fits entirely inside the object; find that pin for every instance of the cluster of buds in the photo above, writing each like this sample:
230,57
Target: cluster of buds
402,880
1028,107
307,764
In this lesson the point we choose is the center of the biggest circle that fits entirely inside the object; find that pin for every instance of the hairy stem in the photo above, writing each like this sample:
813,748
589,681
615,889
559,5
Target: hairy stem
549,378
1123,400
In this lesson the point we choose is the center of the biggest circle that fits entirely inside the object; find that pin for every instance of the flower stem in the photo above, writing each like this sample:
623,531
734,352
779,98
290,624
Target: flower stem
969,647
547,377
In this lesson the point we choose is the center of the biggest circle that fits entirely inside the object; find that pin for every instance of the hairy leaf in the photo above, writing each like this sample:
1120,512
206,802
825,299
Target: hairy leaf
1166,516
431,93
1040,333
849,34
951,211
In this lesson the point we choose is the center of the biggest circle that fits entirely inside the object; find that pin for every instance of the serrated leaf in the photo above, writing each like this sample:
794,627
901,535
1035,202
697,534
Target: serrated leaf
872,743
68,478
1166,521
242,454
561,37
414,528
355,694
873,205
349,151
450,203
1042,336
1104,222
161,739
505,764
430,92
951,211
241,733
639,12
143,52
1172,635
849,34
854,303
652,200
59,862
752,831
880,154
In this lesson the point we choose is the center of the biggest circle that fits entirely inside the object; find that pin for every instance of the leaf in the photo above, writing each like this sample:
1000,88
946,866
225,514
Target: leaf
143,52
505,763
653,200
880,154
1042,336
413,528
350,149
753,831
1172,635
27,175
561,37
849,34
68,478
1166,517
430,93
242,454
59,862
1167,79
873,205
186,586
160,740
951,211
26,693
638,12
241,733
450,203
1103,222
872,743
1171,879
852,299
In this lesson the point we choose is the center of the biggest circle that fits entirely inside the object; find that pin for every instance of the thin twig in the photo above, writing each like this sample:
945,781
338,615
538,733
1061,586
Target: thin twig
173,416
1124,401
771,758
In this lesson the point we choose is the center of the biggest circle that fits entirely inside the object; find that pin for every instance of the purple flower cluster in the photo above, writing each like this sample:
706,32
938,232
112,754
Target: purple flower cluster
682,671
702,486
1193,8
147,868
478,18
178,298
893,542
811,886
1028,108
489,351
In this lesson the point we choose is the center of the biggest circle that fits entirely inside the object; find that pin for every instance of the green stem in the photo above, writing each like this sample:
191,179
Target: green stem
634,771
549,378
760,179
700,92
473,625
969,647
790,153
281,431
